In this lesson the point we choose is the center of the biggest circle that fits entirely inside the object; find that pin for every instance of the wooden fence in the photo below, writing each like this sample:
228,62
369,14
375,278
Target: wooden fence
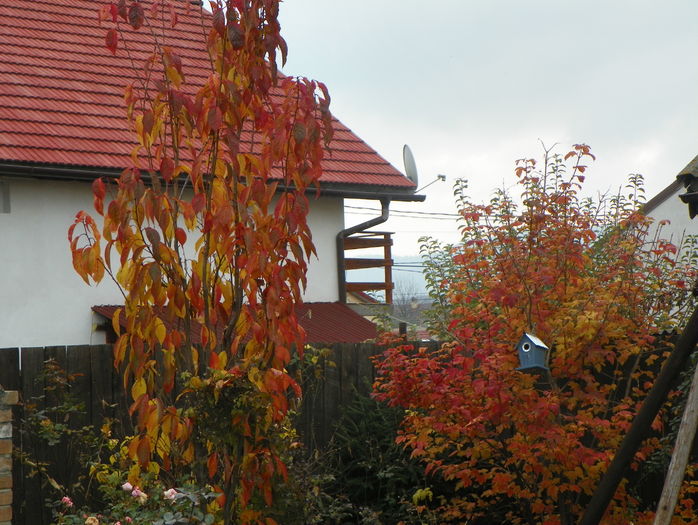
344,370
94,383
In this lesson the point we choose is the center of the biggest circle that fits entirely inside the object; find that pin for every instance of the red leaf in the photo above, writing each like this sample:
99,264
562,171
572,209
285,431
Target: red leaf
136,15
114,10
98,188
181,236
121,8
148,121
112,40
215,118
198,202
167,169
219,21
236,36
99,192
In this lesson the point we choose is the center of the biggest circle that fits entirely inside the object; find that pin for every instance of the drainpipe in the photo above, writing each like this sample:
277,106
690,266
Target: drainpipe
341,272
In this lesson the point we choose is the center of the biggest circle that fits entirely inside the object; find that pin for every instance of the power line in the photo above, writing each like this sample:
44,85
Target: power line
409,212
405,216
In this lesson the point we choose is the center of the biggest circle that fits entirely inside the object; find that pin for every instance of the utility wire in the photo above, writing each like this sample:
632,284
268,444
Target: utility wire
405,216
410,212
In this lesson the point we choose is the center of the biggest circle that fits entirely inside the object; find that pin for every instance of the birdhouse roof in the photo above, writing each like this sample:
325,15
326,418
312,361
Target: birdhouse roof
535,340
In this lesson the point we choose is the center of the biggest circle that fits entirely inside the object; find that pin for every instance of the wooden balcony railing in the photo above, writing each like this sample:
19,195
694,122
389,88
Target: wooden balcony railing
371,239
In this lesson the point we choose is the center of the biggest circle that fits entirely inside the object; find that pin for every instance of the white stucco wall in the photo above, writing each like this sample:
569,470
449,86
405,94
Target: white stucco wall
43,302
326,220
676,212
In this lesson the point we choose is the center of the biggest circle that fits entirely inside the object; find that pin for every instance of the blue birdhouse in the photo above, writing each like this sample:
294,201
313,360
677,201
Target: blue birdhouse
532,352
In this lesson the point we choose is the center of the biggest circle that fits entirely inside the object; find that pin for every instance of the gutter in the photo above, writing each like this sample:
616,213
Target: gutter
341,272
55,172
79,174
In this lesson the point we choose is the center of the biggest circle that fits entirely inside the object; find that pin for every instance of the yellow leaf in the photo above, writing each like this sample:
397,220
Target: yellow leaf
138,389
255,377
160,331
115,322
134,475
139,130
173,76
188,454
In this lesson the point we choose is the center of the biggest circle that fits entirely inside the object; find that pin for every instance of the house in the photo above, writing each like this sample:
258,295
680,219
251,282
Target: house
667,205
62,124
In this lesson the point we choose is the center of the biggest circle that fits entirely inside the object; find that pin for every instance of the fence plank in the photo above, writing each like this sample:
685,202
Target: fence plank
331,395
364,368
57,355
102,394
346,373
31,499
122,400
78,367
57,457
9,368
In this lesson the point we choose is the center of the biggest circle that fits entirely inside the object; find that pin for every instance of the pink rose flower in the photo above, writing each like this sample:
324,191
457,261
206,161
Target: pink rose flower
127,487
170,494
139,495
67,501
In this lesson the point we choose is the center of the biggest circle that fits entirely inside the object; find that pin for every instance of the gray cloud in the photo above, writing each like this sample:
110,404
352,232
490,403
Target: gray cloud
473,85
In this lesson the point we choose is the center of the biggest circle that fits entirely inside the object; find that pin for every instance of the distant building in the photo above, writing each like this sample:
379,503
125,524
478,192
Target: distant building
667,205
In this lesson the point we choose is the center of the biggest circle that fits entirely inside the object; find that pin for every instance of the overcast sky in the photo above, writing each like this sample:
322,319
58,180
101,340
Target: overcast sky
472,86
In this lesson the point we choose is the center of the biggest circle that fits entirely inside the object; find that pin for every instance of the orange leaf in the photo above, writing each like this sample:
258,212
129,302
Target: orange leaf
212,464
143,450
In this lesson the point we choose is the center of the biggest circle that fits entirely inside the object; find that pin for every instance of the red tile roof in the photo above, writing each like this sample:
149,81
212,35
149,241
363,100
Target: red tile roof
61,92
323,323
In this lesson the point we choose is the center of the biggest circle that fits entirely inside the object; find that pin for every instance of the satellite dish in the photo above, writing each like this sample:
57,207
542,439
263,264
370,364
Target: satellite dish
410,166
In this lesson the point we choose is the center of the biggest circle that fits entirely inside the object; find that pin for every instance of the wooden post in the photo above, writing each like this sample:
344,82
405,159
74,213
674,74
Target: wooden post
679,459
388,257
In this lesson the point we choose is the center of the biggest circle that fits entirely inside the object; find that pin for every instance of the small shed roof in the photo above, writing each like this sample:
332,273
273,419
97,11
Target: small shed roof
323,322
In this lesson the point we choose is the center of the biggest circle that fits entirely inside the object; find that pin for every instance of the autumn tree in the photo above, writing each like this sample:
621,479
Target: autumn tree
207,238
594,280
